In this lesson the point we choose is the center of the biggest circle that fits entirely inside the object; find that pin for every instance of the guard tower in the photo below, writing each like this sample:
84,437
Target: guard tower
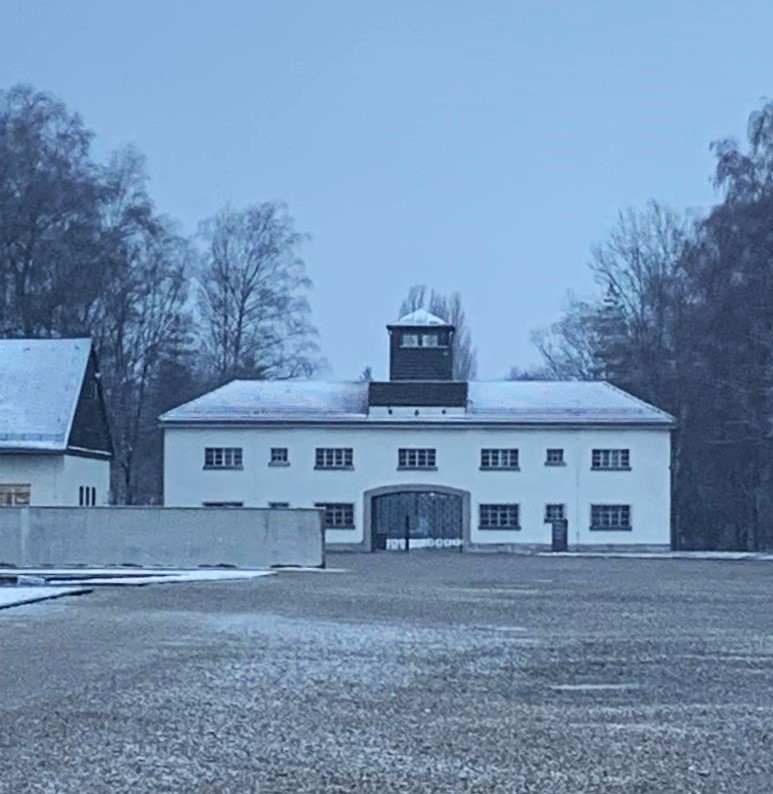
421,370
420,348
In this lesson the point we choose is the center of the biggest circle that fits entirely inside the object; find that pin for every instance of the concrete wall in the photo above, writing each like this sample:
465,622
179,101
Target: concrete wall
646,487
183,538
54,480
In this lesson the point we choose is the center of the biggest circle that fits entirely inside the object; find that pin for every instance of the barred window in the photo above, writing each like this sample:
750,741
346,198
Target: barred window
416,458
223,458
554,457
338,515
334,458
87,496
279,456
554,512
499,516
610,517
499,459
15,495
611,459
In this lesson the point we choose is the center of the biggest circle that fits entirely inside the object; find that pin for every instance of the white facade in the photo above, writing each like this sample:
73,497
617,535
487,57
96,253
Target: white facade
431,461
645,487
56,480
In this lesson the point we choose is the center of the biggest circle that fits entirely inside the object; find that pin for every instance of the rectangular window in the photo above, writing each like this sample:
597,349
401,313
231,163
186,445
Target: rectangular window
499,459
14,495
610,459
426,339
334,458
278,505
223,458
554,513
554,457
416,458
279,457
498,516
338,515
610,517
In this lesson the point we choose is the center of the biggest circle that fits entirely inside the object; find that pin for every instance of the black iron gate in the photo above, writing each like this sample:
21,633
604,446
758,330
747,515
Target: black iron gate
418,519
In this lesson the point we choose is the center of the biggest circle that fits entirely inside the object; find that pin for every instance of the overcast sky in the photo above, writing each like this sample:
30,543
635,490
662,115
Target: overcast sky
474,145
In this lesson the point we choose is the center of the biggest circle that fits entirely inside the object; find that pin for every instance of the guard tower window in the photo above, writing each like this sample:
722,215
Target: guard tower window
424,339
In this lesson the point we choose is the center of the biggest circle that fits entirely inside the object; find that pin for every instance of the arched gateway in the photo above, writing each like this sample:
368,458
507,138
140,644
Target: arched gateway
423,516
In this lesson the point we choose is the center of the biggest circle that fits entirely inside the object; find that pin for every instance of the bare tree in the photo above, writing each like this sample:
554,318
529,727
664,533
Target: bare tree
140,314
253,296
569,348
449,308
49,214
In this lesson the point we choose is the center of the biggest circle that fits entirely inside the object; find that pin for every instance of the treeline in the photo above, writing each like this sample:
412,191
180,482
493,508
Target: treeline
84,252
684,319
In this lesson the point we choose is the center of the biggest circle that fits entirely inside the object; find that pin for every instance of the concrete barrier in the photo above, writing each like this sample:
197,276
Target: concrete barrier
178,537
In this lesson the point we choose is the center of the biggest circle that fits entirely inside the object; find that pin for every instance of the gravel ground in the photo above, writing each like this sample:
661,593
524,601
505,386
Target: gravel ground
433,672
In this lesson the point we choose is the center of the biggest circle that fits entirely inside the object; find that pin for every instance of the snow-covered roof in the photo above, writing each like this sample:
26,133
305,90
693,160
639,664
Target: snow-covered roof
40,382
419,318
509,402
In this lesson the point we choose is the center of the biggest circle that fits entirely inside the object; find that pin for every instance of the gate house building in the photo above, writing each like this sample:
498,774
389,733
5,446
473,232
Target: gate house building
484,465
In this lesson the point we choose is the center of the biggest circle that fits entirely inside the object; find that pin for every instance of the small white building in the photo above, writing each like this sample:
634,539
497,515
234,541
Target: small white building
55,446
446,463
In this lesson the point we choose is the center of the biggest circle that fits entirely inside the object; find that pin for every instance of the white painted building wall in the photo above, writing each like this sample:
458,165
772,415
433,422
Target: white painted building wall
55,479
646,487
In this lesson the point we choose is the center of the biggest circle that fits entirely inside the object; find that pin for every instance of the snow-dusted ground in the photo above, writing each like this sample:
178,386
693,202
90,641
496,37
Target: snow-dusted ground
665,555
13,596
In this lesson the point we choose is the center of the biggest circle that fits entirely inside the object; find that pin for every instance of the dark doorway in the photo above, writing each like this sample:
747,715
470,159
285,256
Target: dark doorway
429,519
560,535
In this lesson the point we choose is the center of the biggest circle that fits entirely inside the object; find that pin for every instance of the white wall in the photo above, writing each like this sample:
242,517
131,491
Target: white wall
646,488
55,479
160,536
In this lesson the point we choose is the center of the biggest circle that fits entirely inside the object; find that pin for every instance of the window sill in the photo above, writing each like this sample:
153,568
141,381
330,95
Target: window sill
610,468
345,528
417,468
223,468
334,468
499,529
611,529
499,468
279,464
552,520
555,465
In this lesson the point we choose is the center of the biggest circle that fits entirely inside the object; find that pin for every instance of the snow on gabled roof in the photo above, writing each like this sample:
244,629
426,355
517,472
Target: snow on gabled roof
508,402
419,318
564,402
265,400
40,383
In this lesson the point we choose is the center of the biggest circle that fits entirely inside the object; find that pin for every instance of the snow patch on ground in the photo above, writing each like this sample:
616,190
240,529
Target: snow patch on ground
664,555
133,576
13,596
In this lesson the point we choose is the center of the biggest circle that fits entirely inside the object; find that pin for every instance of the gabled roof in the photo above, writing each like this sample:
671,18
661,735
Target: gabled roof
40,383
505,402
419,319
